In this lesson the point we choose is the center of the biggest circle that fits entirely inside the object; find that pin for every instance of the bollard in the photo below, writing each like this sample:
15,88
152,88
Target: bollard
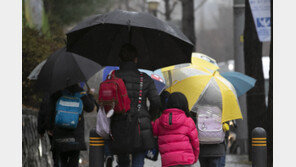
259,149
96,149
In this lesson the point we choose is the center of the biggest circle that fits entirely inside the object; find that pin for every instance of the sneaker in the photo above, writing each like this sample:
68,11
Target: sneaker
109,161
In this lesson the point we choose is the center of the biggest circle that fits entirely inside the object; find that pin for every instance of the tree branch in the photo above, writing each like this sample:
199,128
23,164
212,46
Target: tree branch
173,7
160,12
200,5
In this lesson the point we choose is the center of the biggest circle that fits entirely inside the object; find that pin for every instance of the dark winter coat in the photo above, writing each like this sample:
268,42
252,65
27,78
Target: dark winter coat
212,150
131,76
46,117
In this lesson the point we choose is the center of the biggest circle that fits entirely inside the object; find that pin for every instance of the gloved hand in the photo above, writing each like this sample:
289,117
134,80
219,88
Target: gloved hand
225,127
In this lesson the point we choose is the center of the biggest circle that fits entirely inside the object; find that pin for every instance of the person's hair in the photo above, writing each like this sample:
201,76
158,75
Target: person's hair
178,100
128,53
164,99
74,88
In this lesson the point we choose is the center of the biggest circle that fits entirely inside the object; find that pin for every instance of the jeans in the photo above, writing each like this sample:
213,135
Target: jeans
222,161
107,150
137,160
209,161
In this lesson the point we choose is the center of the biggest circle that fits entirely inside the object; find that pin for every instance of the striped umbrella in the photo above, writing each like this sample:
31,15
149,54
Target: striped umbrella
204,88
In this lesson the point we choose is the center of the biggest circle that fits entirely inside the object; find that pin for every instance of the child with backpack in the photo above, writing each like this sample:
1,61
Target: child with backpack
177,134
61,115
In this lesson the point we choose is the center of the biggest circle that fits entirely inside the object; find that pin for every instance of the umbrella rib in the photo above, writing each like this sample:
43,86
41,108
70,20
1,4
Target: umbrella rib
74,59
203,92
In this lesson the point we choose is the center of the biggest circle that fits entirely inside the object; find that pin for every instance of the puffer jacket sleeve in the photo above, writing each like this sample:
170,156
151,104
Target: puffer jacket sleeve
154,99
193,136
155,127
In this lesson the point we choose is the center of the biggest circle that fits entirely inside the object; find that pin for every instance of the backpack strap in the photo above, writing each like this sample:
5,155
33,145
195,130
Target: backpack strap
140,92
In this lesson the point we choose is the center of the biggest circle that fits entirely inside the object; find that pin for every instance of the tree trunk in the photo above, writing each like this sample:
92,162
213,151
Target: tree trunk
167,10
127,7
270,98
256,107
188,20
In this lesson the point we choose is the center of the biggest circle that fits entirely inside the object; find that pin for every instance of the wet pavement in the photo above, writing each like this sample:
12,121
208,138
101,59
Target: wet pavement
231,161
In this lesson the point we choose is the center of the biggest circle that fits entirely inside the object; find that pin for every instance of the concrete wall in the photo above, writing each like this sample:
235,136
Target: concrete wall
36,151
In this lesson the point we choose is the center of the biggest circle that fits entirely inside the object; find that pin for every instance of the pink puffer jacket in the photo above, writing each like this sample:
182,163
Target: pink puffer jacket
177,138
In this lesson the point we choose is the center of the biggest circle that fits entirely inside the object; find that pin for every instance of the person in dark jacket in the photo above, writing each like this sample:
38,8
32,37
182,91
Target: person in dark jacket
211,155
65,153
130,74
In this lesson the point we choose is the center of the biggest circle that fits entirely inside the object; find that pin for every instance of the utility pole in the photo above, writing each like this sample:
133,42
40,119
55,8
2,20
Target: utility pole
256,102
238,25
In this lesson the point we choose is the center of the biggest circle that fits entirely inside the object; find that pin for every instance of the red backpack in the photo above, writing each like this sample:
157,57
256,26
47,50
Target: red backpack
113,95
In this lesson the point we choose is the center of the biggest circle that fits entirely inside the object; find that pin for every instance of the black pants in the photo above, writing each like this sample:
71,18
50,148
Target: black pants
209,161
66,159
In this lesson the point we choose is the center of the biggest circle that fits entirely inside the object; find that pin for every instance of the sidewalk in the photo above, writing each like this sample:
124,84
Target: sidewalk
231,161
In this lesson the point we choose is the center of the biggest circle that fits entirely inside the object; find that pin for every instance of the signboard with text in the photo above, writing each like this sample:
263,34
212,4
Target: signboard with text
261,15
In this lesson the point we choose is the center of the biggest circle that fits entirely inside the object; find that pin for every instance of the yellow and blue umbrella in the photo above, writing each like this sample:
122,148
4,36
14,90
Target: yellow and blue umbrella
204,61
241,82
204,88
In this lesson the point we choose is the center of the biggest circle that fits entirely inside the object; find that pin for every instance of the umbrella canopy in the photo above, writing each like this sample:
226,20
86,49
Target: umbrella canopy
100,38
203,88
205,61
241,82
198,59
34,74
63,69
94,82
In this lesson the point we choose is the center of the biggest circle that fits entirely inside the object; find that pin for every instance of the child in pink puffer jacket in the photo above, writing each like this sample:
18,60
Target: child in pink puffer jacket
177,134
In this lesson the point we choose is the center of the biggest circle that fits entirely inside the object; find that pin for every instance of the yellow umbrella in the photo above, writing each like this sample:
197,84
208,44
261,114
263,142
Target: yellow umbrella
198,59
204,61
203,88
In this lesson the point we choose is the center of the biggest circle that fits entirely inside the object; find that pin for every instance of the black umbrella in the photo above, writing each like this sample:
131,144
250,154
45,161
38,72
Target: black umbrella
100,38
64,69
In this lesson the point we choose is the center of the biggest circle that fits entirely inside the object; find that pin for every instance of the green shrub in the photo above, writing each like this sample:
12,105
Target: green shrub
36,47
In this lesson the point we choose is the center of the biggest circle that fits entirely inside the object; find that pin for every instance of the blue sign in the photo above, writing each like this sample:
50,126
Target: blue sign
261,14
263,22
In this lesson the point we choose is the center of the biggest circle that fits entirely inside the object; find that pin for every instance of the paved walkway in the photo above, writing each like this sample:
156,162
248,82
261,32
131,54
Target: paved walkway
231,161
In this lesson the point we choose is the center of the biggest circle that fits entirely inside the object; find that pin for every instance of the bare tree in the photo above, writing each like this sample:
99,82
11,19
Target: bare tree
188,27
200,5
127,6
169,8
